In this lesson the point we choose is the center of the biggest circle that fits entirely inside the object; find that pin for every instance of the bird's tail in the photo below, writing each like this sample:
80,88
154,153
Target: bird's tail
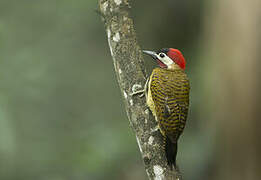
171,152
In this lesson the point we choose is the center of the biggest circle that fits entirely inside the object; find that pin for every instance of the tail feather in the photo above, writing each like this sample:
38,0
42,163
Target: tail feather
171,152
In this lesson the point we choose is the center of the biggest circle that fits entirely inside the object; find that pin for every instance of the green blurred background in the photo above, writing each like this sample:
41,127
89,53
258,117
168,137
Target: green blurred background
61,114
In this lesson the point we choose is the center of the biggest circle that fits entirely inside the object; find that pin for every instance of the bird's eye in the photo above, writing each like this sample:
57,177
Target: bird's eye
161,55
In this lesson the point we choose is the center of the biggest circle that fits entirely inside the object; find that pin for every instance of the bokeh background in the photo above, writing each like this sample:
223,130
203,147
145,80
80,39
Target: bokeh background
61,114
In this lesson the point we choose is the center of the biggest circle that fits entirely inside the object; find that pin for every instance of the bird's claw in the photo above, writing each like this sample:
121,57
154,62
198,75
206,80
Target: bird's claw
141,92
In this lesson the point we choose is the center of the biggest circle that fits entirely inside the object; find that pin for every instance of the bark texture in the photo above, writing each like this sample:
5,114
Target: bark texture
131,75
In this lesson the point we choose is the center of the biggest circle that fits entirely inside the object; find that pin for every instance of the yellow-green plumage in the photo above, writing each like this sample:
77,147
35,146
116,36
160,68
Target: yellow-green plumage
168,99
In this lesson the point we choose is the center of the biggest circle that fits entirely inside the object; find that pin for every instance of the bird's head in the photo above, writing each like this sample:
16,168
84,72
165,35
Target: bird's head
168,58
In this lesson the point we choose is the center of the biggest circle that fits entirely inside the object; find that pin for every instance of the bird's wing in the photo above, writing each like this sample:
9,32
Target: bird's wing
171,103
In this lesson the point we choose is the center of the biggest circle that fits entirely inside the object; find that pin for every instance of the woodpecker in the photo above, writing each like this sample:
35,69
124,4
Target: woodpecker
167,96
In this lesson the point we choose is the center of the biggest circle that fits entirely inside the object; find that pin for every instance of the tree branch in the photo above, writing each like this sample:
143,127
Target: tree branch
131,75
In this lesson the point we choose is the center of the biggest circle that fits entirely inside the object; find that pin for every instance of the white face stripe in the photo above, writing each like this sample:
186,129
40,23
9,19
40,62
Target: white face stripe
166,60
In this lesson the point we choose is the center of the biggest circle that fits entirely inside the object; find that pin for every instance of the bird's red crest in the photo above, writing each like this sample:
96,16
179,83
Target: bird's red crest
177,57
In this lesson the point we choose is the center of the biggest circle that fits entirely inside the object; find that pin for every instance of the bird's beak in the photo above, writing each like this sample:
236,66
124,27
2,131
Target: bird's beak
152,54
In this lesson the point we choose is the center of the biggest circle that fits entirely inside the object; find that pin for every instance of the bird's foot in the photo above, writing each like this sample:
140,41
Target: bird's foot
141,92
156,128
